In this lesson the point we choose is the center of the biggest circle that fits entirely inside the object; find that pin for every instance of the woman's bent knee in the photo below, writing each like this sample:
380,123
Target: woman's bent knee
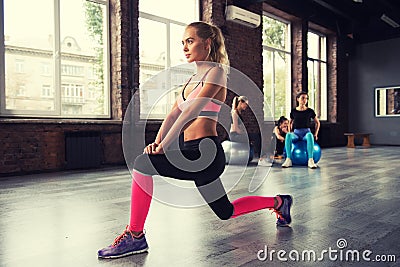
224,215
309,136
223,210
143,165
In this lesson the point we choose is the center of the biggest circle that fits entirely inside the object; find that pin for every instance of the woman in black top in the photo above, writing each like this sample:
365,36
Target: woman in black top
300,118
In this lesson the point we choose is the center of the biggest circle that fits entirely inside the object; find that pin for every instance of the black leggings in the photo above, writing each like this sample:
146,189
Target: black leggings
190,168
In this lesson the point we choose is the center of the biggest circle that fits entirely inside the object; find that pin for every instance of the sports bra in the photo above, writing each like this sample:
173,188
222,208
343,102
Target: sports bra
210,110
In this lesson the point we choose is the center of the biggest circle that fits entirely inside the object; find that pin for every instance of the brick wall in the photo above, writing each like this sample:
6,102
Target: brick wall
298,61
244,48
31,146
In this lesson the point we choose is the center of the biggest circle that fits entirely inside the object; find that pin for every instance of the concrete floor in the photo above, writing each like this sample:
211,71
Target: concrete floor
347,207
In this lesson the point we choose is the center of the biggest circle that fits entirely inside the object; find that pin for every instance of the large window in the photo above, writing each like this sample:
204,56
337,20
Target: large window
51,53
276,67
317,73
161,55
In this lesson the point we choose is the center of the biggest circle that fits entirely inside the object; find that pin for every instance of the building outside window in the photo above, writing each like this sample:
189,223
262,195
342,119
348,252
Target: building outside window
317,73
161,56
46,68
21,91
47,91
47,44
19,66
276,67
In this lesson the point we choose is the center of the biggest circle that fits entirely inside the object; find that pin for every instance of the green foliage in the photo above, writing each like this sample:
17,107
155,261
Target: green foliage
94,24
94,21
274,34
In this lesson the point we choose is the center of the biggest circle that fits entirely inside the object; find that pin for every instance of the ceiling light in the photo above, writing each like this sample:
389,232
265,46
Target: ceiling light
389,21
357,1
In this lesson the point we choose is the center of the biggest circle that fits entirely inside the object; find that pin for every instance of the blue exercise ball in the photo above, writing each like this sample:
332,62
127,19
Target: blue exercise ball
300,155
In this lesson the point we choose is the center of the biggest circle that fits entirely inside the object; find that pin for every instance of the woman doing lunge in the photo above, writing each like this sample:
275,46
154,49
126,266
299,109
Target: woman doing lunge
195,113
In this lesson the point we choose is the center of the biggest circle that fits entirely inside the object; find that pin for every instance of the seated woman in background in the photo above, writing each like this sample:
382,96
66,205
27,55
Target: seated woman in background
277,145
300,121
238,131
280,131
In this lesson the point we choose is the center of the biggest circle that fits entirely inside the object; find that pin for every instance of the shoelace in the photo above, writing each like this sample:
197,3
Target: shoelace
278,213
124,234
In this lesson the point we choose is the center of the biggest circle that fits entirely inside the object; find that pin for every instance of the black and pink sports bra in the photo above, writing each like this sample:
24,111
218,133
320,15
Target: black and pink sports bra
210,110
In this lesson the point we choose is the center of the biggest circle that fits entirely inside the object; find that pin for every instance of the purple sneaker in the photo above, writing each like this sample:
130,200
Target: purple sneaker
124,245
283,212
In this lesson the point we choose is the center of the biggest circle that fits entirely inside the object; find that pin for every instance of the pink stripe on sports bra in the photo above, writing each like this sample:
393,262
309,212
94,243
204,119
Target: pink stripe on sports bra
211,109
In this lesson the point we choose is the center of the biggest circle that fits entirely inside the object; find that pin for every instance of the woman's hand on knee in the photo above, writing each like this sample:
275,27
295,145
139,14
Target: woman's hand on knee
158,150
150,149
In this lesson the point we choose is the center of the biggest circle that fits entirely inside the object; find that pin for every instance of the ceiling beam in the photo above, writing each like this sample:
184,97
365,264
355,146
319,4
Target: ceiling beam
333,9
244,3
391,7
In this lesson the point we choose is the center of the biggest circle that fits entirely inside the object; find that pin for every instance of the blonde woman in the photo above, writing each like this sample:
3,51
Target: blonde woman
238,131
193,113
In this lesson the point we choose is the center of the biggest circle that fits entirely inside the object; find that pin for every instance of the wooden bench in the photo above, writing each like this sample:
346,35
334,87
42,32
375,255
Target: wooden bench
351,136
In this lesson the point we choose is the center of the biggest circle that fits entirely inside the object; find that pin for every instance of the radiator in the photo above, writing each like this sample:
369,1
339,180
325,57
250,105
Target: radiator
82,150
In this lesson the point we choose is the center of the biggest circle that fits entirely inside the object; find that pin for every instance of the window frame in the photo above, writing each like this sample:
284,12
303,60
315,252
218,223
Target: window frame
287,53
320,100
55,67
168,22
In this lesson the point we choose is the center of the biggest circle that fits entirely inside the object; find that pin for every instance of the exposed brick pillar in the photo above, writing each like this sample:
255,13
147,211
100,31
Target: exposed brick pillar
123,21
332,79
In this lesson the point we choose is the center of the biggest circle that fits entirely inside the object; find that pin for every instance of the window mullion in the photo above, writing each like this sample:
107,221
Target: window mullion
57,59
168,61
273,85
2,61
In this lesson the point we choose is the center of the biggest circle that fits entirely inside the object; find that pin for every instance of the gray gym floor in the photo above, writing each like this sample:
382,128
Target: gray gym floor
346,207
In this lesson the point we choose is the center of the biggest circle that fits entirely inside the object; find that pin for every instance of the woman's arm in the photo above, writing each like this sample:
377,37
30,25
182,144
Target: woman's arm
235,122
317,125
165,127
216,81
167,123
290,126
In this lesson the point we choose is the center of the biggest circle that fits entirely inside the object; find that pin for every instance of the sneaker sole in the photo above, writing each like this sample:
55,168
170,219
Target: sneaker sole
124,255
282,224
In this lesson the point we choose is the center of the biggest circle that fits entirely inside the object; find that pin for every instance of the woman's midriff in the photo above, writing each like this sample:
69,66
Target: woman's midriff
201,127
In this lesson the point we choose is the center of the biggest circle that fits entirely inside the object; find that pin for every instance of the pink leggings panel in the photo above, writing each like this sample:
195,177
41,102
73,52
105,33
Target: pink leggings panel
142,192
249,204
